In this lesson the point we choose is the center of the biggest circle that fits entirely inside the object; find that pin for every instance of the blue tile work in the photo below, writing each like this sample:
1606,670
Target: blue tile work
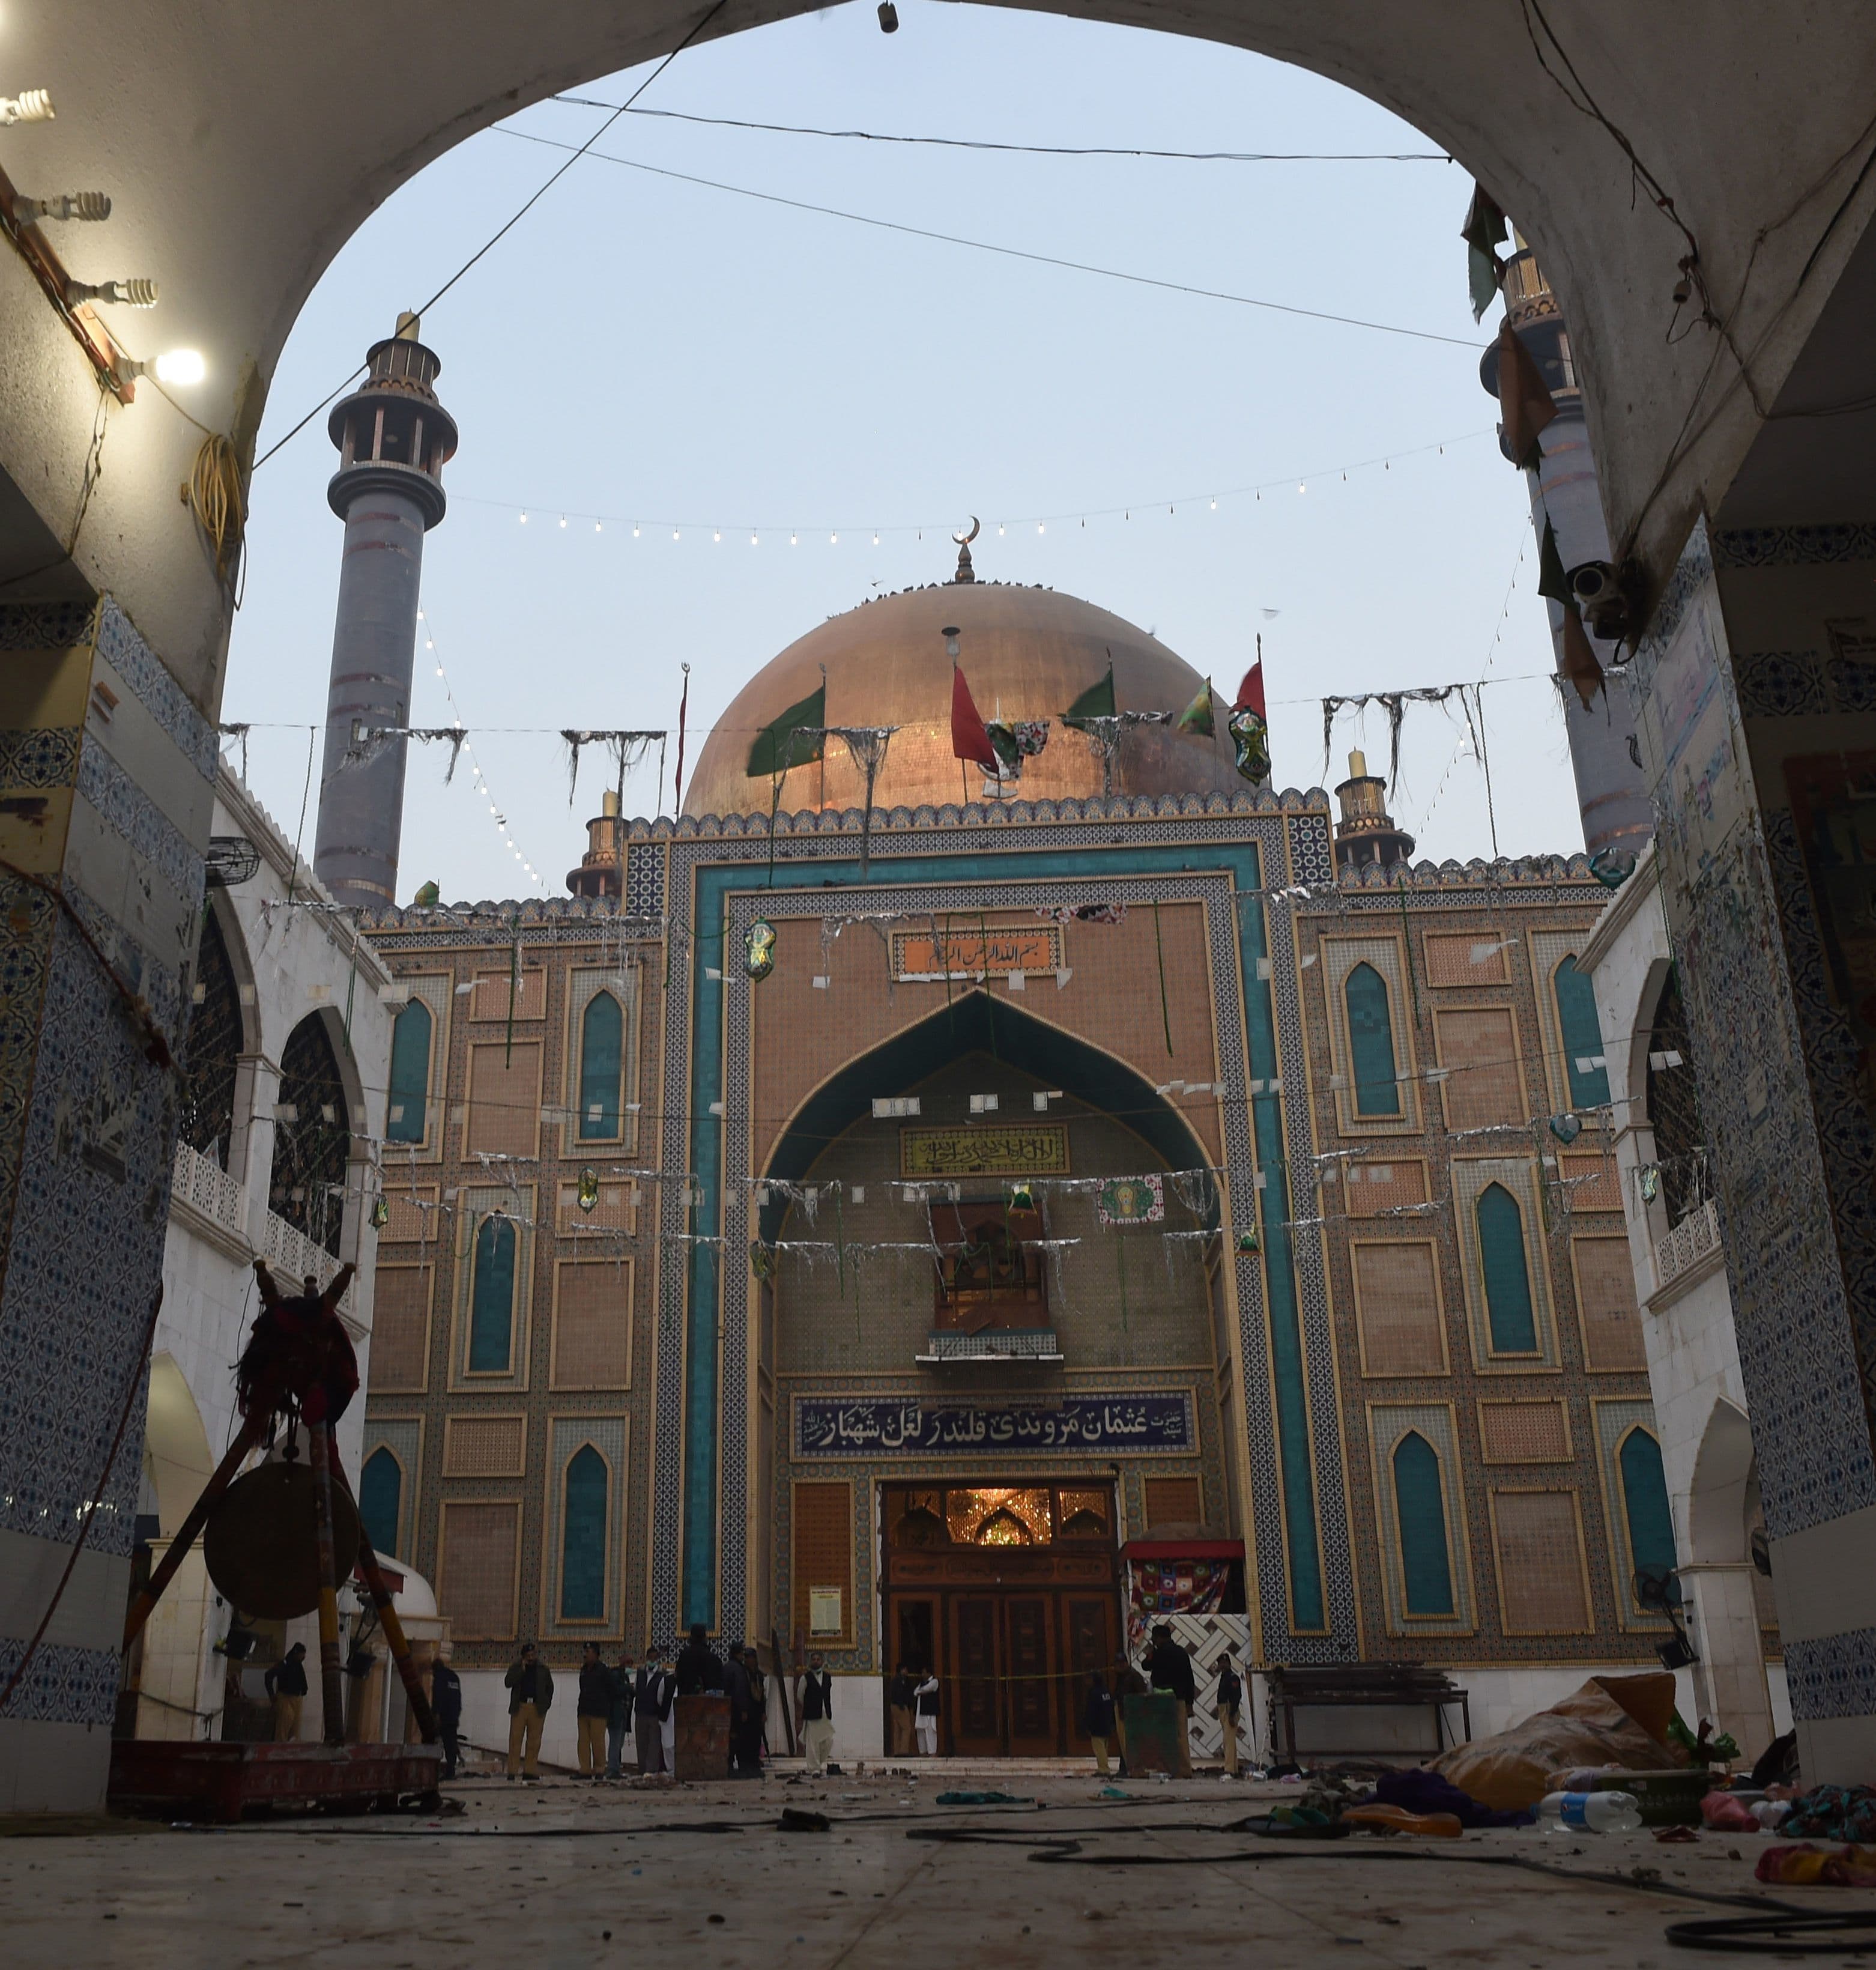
644,880
45,626
1775,1068
140,821
43,756
1835,1677
697,1014
162,697
85,1251
64,1684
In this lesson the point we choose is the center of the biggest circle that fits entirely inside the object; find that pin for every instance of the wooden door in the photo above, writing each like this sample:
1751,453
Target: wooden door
971,1725
1029,1662
1090,1623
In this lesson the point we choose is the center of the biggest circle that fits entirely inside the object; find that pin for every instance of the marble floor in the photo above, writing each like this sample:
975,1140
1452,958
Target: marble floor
569,1874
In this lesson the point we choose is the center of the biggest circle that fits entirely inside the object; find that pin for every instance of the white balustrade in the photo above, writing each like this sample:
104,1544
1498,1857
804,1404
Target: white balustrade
200,1182
1696,1236
291,1255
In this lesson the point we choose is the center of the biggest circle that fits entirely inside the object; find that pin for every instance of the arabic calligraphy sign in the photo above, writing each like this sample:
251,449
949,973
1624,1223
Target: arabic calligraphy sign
975,951
1148,1422
1039,1149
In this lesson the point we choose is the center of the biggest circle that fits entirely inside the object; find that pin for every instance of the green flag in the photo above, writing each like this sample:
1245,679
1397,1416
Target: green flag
1485,227
794,740
1096,702
1552,581
1196,718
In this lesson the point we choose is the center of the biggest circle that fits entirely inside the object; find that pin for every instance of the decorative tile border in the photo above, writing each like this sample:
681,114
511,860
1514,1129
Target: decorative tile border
138,818
1794,546
1832,1677
63,1684
42,756
162,697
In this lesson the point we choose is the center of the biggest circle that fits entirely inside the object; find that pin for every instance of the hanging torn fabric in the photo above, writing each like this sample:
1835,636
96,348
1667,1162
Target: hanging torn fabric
1523,397
1580,666
1196,720
368,741
866,745
1483,228
1098,913
1394,703
628,748
1015,739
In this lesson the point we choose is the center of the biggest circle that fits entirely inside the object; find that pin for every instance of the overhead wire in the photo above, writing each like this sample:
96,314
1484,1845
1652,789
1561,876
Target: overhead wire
1036,149
986,246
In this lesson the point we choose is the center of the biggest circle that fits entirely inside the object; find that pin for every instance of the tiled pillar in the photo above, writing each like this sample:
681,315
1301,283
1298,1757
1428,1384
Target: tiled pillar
1756,700
106,780
1722,1619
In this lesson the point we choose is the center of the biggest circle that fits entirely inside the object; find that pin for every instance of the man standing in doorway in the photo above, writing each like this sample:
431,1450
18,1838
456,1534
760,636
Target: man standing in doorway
446,1703
530,1684
1097,1718
817,1703
593,1713
286,1684
1230,1695
901,1703
926,1698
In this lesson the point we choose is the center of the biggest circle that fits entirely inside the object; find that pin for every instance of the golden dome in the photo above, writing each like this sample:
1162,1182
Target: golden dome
1026,653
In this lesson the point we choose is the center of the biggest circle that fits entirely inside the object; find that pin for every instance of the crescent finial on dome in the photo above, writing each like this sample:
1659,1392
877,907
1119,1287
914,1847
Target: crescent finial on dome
965,571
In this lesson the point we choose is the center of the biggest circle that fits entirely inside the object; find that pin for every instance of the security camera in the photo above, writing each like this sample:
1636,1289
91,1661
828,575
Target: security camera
1607,595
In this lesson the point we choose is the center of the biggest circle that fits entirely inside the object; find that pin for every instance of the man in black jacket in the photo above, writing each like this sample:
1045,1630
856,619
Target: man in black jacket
1170,1668
1097,1718
530,1684
745,1722
651,1704
1230,1695
286,1684
817,1700
619,1724
445,1702
594,1711
902,1705
698,1668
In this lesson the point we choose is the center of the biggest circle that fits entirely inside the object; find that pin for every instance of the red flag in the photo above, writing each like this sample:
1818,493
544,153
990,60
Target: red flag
969,740
1250,692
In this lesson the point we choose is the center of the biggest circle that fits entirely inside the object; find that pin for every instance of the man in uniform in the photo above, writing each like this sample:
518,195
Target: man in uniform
446,1701
530,1684
286,1684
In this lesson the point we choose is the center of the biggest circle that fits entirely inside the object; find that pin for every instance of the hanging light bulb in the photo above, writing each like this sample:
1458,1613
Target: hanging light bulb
634,530
793,541
754,541
524,516
1040,528
673,533
82,205
137,293
876,540
1215,505
833,540
595,526
717,534
563,519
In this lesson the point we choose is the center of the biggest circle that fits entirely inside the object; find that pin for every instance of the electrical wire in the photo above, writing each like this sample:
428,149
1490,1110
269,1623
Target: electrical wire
985,246
1038,149
520,213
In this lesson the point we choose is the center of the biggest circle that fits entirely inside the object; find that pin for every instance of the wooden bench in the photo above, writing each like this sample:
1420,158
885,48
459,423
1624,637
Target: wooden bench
1418,1697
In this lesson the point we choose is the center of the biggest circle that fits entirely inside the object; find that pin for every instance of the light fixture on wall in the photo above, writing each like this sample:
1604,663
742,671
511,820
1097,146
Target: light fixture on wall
180,366
30,106
137,293
82,205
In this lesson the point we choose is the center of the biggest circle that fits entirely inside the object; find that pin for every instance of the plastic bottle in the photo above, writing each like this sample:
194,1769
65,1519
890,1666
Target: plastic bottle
1589,1812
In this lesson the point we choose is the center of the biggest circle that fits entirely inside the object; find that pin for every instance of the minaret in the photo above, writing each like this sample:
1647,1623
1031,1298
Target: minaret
1611,793
598,873
1366,836
393,437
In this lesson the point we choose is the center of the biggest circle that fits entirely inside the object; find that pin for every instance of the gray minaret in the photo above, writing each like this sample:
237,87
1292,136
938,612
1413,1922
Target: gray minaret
1610,791
393,437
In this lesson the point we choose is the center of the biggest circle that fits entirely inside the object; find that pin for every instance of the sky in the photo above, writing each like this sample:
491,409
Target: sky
641,352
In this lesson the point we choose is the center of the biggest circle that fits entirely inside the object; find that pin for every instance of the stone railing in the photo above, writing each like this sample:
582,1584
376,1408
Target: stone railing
1696,1236
291,1255
200,1182
1033,1344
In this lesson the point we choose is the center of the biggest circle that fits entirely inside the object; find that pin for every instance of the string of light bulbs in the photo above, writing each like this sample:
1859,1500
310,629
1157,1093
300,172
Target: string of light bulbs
480,780
555,517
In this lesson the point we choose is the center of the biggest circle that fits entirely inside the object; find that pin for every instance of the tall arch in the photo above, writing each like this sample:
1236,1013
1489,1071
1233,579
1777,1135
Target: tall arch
413,1038
1420,1512
1645,1507
217,1040
381,1500
585,1484
312,1135
1510,1311
492,1298
1585,1070
602,1068
1371,1042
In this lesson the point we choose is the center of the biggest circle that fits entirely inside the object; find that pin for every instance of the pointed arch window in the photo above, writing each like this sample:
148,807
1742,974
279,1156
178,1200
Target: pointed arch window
1644,1501
602,1060
1371,1042
1582,1036
492,1298
1510,1315
213,1047
411,1036
1420,1511
381,1500
583,1537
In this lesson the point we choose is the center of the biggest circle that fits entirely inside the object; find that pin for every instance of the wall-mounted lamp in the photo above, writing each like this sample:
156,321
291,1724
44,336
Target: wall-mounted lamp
138,294
89,205
951,643
30,106
181,366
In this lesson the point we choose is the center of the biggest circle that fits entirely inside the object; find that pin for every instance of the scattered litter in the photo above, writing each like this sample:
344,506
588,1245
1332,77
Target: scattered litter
1675,1836
1112,1792
982,1798
800,1819
1383,1819
1811,1866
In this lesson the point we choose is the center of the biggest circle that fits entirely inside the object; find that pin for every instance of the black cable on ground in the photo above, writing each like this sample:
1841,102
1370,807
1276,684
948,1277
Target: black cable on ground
1775,1934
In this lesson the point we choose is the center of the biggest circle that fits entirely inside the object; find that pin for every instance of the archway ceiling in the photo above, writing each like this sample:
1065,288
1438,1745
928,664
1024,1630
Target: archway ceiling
243,145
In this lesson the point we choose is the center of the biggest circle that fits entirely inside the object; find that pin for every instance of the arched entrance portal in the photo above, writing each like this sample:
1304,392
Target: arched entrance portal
978,1385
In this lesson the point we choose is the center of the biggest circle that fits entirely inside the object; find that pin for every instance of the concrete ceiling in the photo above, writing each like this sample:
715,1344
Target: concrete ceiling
242,145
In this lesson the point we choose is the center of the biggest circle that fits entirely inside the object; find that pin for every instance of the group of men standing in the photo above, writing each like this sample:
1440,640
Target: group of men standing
1168,1670
912,1702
